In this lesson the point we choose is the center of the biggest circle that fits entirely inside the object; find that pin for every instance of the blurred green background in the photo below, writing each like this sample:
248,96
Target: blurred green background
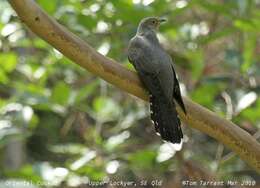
60,125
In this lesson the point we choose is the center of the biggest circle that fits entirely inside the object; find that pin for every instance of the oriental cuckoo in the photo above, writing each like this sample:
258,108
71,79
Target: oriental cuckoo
155,70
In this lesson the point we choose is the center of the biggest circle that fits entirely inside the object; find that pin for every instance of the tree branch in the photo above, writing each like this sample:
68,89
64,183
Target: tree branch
84,55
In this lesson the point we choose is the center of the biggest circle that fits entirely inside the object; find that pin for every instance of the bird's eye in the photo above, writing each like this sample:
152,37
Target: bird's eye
153,21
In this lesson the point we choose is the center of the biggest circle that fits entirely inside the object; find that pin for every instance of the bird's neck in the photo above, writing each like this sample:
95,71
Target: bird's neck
150,35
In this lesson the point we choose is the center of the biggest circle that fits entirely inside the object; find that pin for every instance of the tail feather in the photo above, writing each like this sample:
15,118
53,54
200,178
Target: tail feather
166,120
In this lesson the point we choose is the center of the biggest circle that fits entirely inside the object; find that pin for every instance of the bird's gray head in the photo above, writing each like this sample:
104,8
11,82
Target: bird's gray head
150,24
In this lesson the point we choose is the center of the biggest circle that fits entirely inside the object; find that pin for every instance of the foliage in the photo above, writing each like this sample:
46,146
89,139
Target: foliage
62,125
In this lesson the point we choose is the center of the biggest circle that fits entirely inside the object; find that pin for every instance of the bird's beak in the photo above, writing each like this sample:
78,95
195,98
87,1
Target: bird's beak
162,20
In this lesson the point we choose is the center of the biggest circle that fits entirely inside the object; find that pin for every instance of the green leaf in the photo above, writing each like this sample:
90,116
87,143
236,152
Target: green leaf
197,64
252,113
106,108
87,21
143,159
3,77
85,91
95,172
47,6
8,61
245,25
249,48
205,94
60,93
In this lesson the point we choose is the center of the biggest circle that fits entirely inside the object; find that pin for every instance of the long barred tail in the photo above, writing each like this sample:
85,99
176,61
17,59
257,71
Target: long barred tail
166,120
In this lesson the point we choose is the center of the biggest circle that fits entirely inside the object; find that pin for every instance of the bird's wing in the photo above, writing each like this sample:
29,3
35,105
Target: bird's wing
140,55
177,92
151,66
148,77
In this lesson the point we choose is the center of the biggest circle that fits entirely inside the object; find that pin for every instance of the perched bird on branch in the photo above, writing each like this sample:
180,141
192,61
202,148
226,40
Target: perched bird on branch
155,69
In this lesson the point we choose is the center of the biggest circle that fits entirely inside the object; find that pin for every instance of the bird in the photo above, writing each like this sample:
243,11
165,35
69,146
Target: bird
155,70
